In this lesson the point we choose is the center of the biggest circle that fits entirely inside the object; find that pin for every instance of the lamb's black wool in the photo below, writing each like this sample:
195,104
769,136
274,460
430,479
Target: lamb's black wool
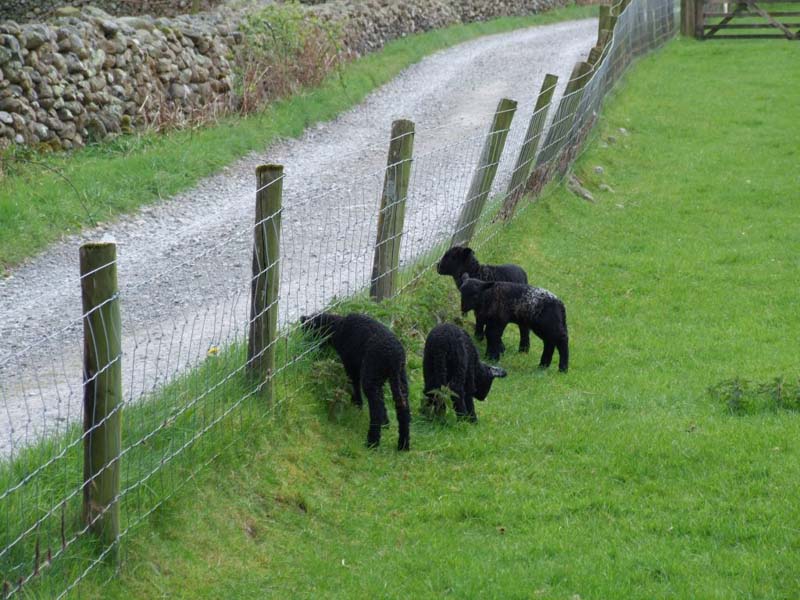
371,355
459,260
451,360
501,303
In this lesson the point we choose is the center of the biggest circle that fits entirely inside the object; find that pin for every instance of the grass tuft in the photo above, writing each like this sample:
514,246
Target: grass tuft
743,397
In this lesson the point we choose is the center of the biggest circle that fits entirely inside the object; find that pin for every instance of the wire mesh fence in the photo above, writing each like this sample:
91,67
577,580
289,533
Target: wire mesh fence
113,421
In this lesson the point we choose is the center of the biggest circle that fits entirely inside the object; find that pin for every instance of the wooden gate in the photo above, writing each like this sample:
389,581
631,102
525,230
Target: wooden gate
741,19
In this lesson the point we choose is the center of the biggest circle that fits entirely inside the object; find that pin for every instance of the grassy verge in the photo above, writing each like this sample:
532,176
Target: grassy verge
625,478
60,194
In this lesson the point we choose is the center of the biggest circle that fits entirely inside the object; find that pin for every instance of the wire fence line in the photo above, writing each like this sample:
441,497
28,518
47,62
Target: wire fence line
69,470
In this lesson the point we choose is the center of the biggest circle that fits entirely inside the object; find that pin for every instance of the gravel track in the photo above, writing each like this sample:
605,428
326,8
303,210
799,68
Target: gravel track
184,264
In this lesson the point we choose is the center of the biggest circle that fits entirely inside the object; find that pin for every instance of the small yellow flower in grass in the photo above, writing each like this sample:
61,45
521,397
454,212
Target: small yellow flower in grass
213,350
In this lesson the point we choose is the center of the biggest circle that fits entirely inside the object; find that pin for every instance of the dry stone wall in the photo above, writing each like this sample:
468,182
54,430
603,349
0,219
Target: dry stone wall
35,10
85,75
369,24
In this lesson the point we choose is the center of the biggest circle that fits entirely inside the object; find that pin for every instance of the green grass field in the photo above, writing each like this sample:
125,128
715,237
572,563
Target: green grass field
624,478
60,194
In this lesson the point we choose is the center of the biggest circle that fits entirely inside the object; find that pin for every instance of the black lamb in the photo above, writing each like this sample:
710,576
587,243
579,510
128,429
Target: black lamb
459,260
451,360
371,355
499,303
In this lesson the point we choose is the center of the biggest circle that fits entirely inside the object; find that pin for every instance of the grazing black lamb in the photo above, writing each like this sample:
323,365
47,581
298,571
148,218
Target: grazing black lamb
459,260
451,360
371,355
500,303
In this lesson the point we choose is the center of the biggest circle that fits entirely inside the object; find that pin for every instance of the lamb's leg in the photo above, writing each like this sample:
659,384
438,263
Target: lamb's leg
480,327
399,385
458,399
354,374
547,354
551,328
469,404
563,354
384,418
524,339
494,340
377,411
382,407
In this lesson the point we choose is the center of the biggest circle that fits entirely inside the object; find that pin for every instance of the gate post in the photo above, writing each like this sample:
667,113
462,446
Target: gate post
699,20
692,21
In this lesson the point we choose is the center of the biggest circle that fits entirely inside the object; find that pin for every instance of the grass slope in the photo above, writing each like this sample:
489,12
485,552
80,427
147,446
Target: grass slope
60,194
622,479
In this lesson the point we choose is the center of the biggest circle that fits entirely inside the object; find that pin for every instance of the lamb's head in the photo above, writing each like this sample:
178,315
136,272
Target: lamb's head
472,291
484,377
457,260
321,324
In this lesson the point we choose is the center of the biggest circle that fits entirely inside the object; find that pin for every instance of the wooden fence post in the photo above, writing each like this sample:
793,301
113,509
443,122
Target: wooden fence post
524,166
565,114
391,216
266,276
597,50
484,173
102,391
604,20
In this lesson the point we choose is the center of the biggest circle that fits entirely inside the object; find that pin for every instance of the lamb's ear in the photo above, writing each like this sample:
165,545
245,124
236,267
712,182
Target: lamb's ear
497,371
468,252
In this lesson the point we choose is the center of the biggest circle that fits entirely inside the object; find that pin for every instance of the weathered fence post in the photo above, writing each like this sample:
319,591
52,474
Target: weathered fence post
524,166
564,118
391,216
604,20
596,53
605,28
102,391
484,173
266,276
